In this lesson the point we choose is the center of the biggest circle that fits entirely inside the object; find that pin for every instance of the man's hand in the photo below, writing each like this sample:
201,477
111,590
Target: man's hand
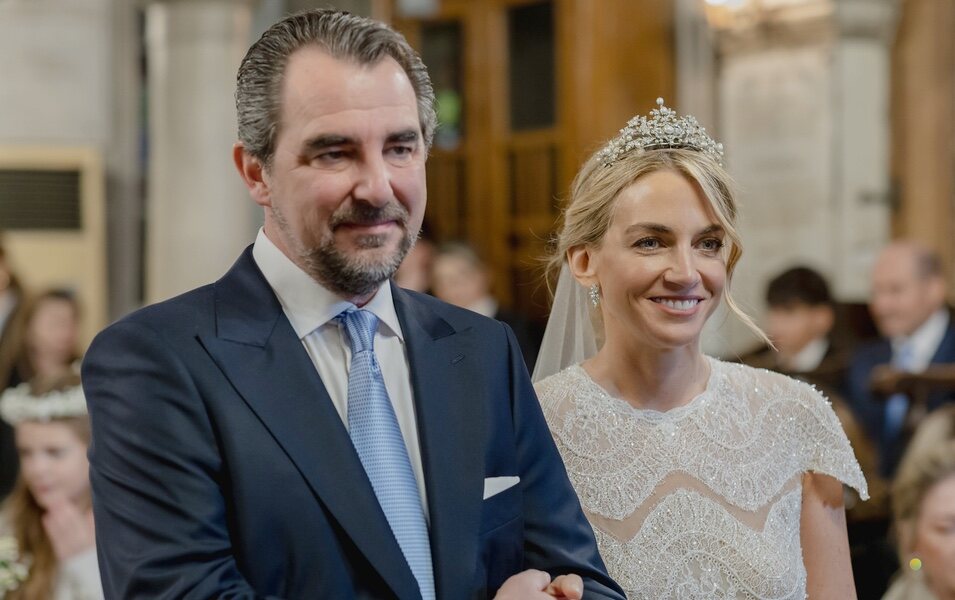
533,584
69,529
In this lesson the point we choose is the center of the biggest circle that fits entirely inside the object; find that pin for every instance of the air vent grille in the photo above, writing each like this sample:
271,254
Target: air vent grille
39,199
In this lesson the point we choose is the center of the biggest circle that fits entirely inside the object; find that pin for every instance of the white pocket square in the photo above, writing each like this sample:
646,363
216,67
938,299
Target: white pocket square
496,485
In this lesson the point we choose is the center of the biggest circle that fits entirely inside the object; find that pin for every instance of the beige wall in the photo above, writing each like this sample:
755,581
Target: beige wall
75,259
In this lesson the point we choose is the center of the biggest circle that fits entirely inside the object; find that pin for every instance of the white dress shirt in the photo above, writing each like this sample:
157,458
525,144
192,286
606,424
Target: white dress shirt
809,358
486,306
924,342
311,309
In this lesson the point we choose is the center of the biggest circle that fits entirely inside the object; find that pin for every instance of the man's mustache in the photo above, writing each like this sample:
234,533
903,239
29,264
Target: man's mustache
362,213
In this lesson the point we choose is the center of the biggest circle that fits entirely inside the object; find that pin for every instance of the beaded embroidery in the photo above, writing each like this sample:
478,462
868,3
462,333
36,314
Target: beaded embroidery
702,501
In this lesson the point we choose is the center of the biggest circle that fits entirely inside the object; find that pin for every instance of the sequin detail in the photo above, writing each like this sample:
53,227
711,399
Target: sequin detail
702,501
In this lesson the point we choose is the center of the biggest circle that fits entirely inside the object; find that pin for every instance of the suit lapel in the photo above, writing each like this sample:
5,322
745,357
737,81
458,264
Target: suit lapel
451,433
257,349
945,353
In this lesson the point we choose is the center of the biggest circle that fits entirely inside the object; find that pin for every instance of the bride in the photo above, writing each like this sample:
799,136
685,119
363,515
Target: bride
701,479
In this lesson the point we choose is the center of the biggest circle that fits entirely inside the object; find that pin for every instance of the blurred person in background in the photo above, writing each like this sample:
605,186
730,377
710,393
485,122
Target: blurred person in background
11,310
44,344
49,514
47,337
923,504
460,277
800,318
11,305
937,428
414,273
908,305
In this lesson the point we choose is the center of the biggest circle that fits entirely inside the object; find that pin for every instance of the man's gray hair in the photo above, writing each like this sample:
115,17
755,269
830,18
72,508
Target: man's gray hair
929,263
345,37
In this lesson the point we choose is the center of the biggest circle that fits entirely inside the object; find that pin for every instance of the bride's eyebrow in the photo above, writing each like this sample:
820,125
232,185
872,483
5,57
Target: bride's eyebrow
651,227
715,228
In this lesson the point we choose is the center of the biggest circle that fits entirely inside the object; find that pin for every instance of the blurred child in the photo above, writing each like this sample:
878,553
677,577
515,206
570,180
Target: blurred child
49,513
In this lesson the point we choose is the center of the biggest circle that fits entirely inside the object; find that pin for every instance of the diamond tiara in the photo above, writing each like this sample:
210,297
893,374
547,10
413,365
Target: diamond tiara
664,129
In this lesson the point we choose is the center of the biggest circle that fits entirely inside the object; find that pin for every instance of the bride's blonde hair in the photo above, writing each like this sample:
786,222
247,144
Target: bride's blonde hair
595,189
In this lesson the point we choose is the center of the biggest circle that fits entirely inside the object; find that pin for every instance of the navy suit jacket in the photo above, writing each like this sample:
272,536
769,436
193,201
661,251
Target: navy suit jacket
220,468
871,410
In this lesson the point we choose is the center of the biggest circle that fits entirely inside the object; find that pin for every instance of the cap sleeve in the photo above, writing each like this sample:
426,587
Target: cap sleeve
827,449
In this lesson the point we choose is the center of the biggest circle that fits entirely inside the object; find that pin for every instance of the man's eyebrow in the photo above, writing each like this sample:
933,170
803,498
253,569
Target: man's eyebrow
321,142
408,135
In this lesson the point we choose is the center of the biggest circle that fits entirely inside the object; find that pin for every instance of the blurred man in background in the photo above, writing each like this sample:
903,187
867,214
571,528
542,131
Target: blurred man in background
460,277
800,318
910,312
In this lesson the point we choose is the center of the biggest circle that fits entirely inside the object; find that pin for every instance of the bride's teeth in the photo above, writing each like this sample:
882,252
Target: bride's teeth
678,304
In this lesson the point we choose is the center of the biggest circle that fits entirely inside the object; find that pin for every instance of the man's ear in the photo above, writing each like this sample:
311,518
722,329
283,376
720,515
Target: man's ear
582,262
253,174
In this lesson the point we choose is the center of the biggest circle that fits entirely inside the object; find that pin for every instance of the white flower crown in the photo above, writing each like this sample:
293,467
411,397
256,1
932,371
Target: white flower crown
19,404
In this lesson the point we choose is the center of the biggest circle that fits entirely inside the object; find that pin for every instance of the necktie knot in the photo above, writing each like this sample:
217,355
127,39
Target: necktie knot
361,326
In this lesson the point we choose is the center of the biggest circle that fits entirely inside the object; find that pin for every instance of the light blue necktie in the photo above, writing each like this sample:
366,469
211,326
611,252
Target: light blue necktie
897,405
377,438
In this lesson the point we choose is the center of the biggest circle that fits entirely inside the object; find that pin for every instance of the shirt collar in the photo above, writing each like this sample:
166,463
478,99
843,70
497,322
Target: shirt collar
924,342
810,357
308,304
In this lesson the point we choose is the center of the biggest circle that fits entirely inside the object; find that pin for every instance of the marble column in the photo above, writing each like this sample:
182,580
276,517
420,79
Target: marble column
199,215
802,98
696,68
861,72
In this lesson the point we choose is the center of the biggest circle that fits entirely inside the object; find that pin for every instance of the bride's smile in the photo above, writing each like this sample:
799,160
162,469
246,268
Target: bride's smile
661,268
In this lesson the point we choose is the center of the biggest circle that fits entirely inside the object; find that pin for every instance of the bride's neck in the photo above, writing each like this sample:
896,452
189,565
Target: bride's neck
651,378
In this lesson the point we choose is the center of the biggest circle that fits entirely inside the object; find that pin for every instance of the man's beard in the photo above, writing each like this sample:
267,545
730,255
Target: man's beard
352,275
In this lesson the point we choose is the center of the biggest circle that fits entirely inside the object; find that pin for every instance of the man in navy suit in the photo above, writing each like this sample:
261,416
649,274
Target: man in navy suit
909,309
224,461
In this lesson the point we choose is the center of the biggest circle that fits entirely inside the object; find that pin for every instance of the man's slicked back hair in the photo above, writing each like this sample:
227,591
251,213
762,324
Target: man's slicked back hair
345,37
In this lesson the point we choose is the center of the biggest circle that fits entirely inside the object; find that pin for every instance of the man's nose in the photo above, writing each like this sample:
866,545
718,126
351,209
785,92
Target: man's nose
374,181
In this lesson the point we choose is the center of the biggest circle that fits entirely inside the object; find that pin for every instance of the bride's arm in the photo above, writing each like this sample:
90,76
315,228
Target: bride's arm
825,546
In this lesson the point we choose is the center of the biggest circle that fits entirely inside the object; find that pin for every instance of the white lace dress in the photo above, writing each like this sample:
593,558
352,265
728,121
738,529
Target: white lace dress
702,501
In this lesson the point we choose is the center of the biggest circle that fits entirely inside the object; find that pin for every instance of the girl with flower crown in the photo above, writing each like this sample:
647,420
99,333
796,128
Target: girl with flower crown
49,514
701,479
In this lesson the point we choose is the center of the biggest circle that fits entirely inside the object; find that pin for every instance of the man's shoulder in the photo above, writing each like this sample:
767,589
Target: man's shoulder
185,312
196,308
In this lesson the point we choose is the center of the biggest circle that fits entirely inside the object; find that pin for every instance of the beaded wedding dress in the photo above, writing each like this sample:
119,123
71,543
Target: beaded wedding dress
702,501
